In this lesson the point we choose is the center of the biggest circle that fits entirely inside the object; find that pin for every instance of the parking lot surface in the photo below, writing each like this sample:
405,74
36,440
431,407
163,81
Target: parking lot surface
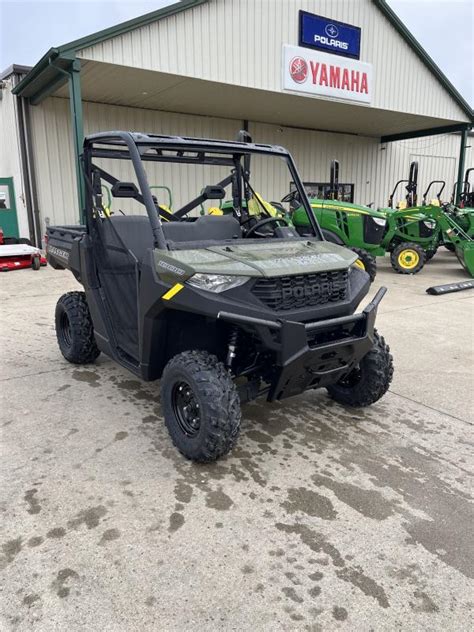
322,518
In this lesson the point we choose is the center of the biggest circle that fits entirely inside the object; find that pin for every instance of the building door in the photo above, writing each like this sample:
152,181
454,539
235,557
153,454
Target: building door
8,217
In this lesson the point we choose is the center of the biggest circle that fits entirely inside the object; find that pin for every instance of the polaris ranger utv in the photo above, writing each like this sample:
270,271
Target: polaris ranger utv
222,308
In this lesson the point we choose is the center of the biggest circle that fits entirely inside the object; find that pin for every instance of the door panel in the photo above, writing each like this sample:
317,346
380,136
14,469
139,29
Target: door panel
8,217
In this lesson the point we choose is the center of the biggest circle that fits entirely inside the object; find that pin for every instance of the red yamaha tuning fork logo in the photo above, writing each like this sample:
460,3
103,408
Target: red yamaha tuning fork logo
298,69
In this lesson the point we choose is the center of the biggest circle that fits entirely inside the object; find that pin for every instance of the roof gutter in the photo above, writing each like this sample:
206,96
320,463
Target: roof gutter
35,72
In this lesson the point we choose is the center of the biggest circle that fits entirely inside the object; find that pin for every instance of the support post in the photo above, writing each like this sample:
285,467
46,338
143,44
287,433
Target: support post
462,156
75,101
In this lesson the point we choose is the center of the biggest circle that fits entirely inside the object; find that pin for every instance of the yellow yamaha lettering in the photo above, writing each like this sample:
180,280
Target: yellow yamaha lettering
172,291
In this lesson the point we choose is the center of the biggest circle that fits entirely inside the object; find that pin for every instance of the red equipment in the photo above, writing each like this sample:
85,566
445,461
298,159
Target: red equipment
15,255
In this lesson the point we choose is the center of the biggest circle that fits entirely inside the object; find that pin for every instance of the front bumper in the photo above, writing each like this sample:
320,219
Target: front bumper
315,354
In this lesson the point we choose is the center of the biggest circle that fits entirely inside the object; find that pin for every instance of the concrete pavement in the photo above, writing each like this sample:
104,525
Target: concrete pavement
322,518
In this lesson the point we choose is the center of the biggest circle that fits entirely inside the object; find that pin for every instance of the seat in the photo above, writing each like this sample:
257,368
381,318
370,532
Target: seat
133,230
203,229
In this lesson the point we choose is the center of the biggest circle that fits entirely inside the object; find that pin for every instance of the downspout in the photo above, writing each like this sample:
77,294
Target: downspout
25,167
32,173
462,157
75,102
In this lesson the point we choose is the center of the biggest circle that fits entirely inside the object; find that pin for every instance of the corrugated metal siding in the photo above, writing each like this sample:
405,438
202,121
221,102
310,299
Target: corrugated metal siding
55,160
240,42
371,167
10,165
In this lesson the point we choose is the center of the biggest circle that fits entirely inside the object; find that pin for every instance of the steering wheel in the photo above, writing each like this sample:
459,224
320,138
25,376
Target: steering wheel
291,196
264,222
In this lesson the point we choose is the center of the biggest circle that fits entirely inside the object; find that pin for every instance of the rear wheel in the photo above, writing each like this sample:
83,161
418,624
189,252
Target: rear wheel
407,258
365,262
36,262
367,382
201,406
74,329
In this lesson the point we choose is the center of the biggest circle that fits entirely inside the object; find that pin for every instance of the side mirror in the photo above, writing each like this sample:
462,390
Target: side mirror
214,192
125,190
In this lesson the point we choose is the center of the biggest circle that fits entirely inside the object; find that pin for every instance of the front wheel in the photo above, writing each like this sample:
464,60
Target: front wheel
366,262
74,329
367,382
407,258
201,406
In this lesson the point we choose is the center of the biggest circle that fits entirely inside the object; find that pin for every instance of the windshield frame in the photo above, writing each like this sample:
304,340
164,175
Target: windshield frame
136,147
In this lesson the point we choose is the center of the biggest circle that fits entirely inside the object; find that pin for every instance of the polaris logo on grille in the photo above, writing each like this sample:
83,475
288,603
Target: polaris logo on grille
305,291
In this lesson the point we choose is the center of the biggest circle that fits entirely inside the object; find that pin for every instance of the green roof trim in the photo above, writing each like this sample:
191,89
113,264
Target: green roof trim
418,49
33,80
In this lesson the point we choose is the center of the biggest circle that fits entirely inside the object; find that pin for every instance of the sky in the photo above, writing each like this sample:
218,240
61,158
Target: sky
29,28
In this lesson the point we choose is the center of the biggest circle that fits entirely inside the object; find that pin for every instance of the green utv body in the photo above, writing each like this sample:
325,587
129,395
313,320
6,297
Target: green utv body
222,308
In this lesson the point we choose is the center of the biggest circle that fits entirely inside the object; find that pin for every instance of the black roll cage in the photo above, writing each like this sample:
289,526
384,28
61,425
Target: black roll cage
136,147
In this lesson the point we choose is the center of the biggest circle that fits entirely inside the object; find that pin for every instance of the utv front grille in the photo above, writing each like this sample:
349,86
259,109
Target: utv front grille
308,290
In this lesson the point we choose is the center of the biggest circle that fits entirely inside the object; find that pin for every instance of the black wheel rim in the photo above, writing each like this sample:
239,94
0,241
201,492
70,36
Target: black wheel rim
65,330
186,409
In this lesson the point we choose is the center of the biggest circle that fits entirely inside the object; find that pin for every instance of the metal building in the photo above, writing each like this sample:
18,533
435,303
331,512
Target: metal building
325,78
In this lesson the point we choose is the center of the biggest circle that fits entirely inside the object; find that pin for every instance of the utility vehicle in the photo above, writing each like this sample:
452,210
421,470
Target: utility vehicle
223,309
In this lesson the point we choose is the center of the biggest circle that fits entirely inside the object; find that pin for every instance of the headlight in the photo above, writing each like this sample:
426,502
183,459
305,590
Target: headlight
216,282
429,223
380,221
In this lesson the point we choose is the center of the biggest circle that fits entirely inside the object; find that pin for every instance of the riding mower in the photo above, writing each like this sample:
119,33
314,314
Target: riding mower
357,227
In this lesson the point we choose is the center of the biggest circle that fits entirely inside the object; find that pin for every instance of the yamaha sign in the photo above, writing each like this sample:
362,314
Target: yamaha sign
328,35
321,74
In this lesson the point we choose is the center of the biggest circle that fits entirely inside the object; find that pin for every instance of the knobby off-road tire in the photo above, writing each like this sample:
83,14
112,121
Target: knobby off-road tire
369,381
209,427
74,329
407,258
366,262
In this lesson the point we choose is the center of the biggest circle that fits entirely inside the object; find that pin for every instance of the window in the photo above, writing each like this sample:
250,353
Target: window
322,190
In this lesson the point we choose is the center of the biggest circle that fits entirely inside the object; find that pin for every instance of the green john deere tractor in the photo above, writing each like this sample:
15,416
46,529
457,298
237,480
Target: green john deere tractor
405,232
410,233
358,227
463,211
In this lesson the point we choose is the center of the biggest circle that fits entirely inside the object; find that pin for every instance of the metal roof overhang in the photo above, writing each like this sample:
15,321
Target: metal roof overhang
132,87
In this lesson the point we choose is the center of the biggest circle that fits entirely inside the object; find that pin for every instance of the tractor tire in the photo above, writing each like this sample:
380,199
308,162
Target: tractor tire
408,258
449,246
368,382
201,406
74,329
366,262
36,263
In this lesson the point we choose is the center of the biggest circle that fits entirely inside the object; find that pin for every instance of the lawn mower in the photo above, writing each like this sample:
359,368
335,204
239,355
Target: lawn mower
223,308
17,253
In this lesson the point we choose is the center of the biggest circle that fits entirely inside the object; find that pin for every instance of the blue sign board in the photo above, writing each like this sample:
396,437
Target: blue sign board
328,35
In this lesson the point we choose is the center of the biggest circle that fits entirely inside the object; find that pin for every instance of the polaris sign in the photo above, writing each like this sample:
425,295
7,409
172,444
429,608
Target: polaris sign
329,35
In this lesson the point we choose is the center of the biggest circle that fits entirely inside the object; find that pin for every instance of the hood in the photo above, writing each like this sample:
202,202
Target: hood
264,259
348,207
